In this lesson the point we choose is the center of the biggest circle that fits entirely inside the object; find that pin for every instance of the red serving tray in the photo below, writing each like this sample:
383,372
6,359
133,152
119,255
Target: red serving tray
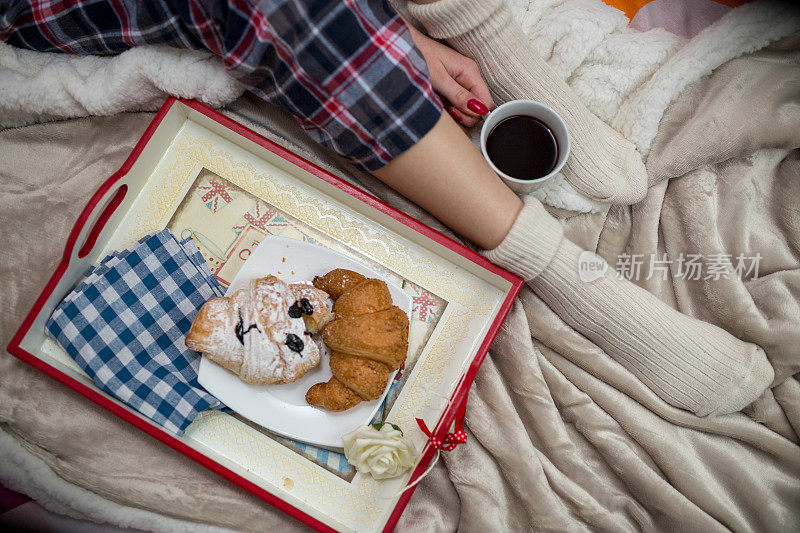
459,396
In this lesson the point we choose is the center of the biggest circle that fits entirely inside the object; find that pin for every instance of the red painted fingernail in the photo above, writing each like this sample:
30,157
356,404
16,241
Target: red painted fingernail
454,113
477,106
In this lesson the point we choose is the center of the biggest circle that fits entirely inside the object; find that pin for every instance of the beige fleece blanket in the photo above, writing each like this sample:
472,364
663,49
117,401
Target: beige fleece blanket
560,436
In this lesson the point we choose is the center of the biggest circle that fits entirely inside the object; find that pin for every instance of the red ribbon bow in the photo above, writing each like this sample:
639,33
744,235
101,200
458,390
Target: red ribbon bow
451,440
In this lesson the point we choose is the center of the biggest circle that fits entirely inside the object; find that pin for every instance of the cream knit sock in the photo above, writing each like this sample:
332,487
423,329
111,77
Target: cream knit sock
602,164
689,363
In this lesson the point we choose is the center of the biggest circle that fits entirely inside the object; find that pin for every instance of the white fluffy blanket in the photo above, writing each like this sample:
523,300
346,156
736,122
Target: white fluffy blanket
37,87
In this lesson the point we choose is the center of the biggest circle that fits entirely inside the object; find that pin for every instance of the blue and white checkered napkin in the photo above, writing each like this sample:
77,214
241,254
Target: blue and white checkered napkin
125,325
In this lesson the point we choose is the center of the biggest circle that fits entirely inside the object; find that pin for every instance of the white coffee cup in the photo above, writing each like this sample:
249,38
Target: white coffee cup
536,110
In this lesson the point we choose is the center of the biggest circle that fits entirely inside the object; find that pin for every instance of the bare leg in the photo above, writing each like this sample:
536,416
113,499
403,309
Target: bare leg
445,175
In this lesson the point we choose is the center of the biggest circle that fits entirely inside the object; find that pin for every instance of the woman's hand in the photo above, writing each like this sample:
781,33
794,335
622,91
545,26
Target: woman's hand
456,78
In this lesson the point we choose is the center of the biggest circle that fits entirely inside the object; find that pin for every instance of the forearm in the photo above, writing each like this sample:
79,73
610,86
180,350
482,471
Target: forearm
447,176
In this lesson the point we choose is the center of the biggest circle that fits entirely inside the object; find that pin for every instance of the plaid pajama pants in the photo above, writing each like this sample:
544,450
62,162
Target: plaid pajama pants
347,69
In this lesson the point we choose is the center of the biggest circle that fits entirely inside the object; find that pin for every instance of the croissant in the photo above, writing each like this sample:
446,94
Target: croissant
262,333
368,339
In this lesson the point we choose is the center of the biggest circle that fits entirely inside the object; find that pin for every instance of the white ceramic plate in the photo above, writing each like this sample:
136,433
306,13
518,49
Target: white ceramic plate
283,408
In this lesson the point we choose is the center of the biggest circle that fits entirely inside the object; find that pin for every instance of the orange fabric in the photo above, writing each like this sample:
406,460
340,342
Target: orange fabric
630,7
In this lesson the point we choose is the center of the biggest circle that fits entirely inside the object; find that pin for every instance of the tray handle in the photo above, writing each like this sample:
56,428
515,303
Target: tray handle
97,227
95,217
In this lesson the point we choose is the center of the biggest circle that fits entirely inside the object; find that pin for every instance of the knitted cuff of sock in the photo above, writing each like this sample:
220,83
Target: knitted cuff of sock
531,243
445,19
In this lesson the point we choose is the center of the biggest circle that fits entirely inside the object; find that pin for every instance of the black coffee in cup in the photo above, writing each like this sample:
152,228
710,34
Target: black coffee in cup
522,147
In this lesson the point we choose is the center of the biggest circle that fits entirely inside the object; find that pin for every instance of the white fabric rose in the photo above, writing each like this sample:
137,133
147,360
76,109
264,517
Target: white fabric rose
383,452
